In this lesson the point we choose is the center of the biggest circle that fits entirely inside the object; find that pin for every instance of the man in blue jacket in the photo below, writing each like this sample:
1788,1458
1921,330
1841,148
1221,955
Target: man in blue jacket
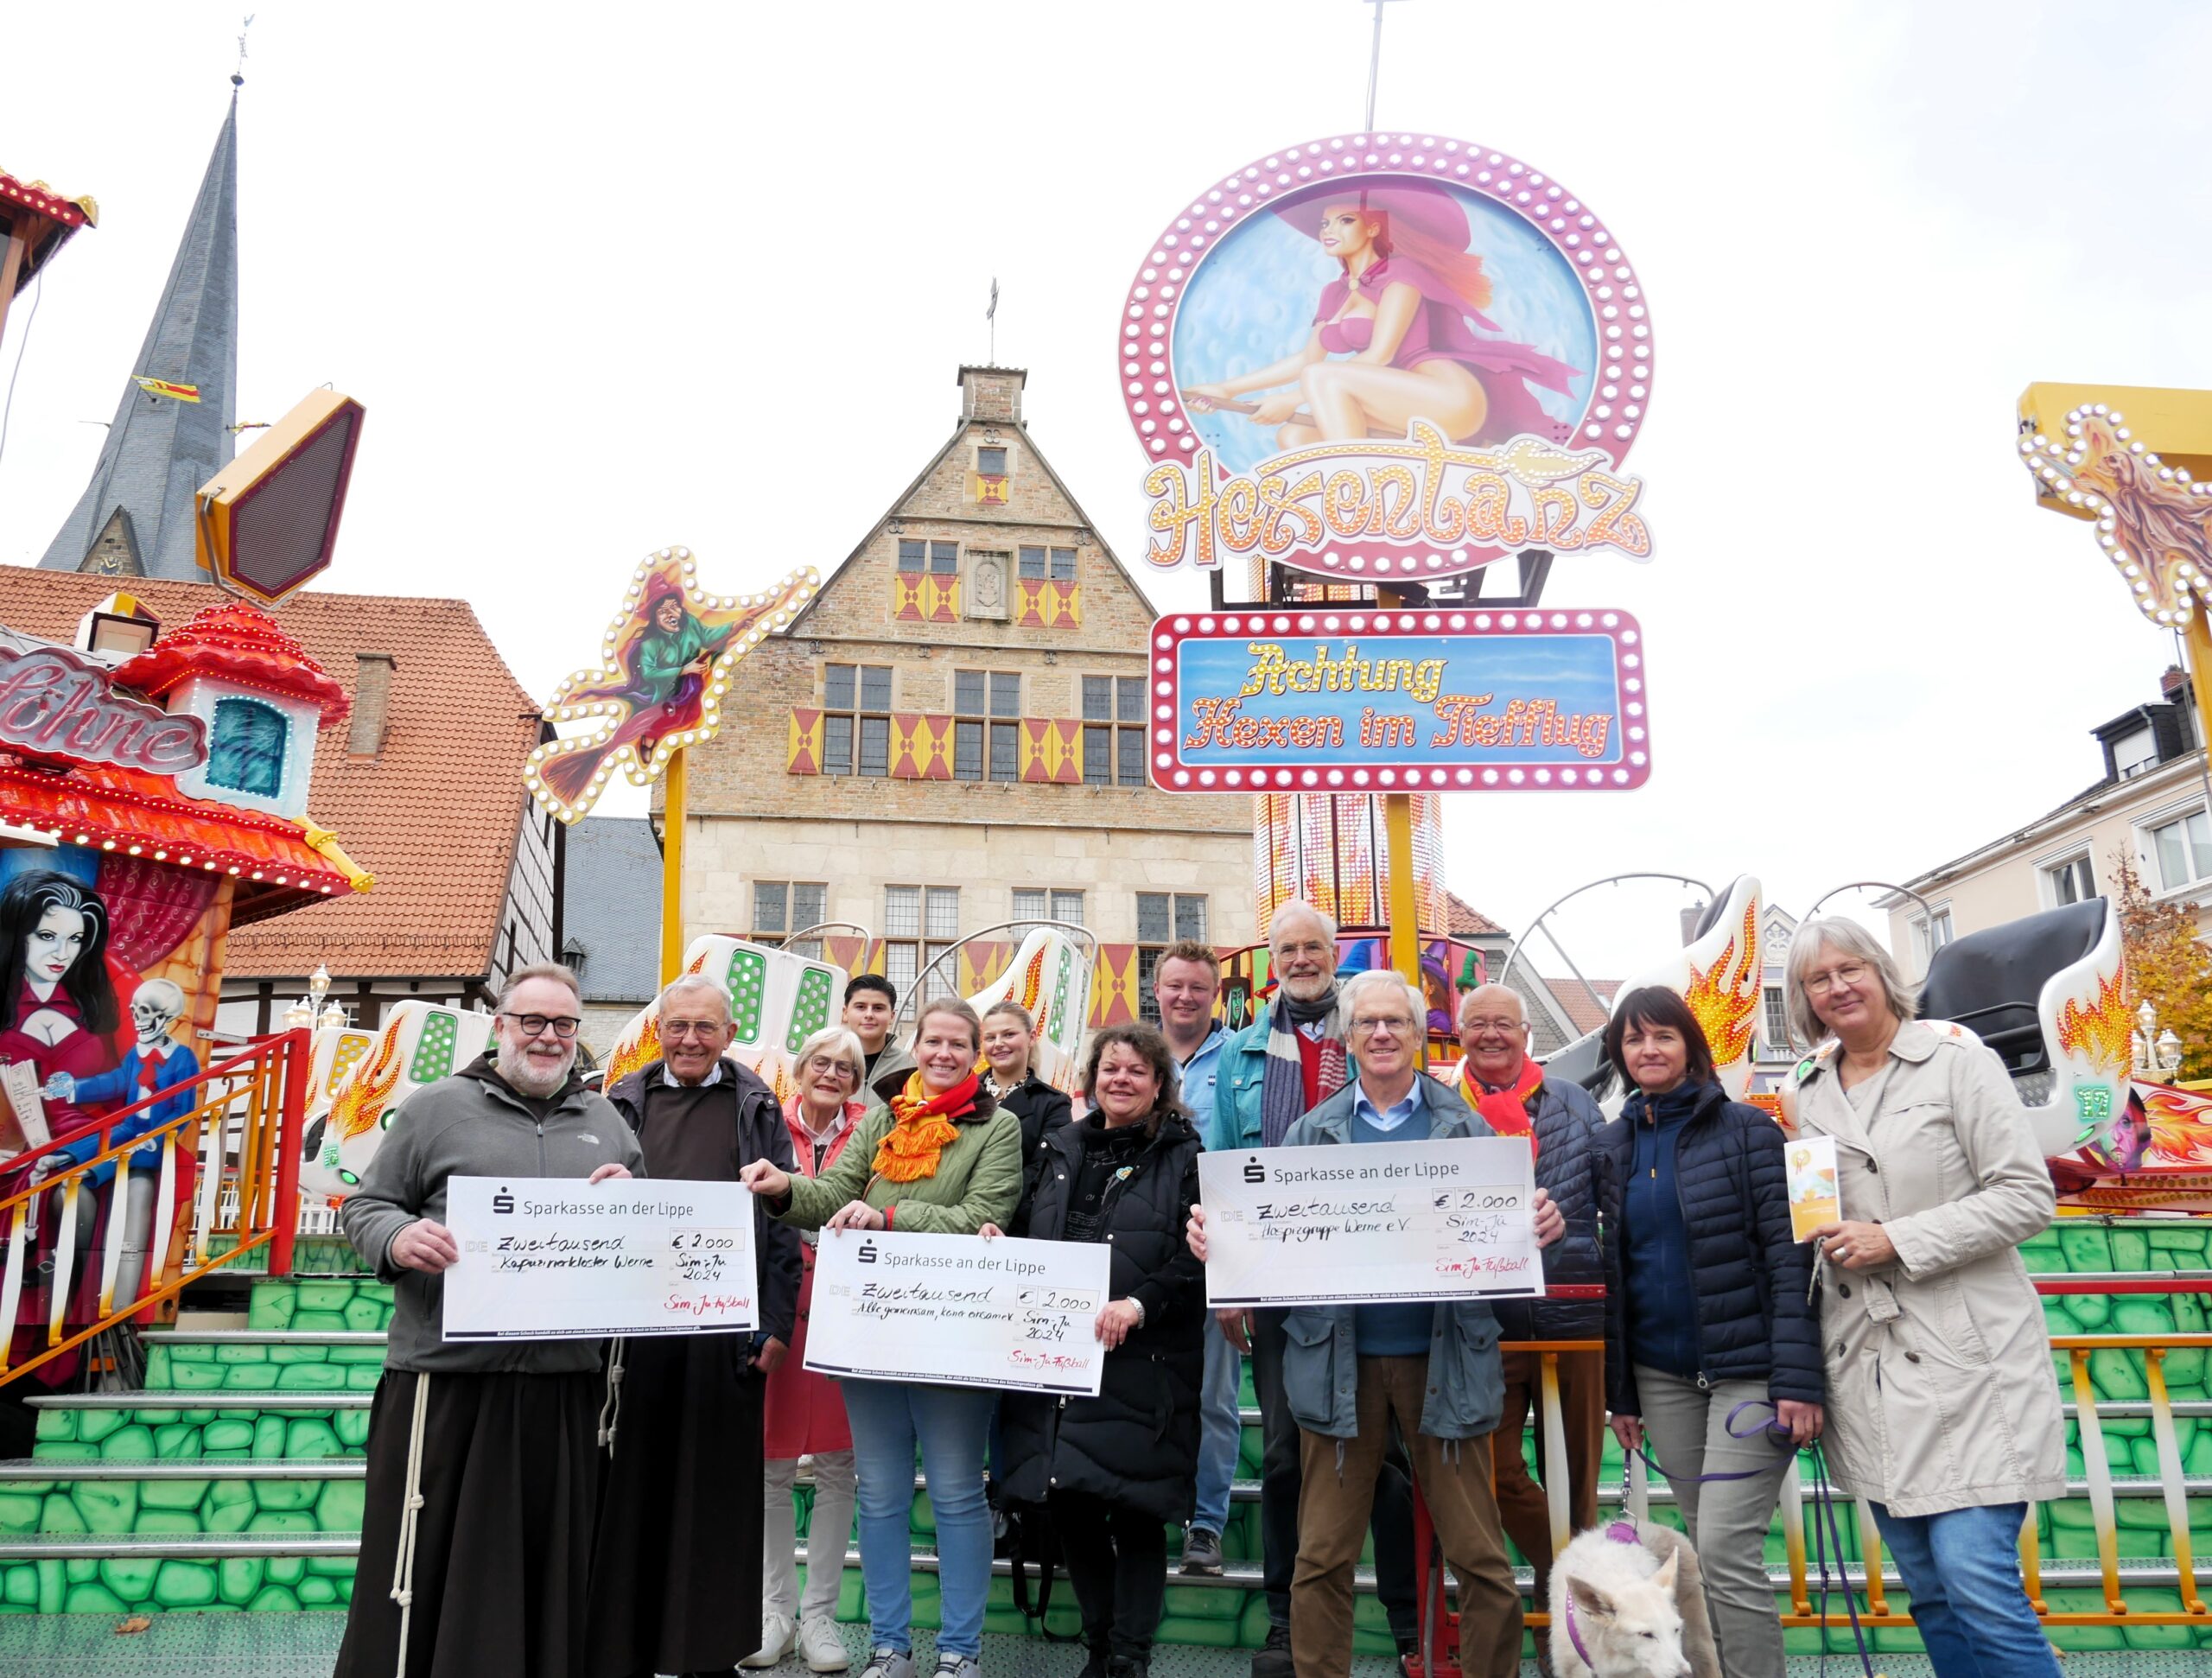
1350,1370
1290,1059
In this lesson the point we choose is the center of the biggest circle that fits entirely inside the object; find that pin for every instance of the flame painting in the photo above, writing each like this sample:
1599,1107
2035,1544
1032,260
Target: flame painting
2098,1033
361,1104
1725,999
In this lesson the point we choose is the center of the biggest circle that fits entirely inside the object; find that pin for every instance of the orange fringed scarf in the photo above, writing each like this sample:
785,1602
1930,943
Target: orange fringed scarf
924,1125
1506,1111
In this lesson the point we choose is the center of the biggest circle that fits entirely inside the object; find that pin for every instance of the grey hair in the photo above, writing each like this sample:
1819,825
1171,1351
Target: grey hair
839,1043
1846,937
1374,977
553,970
690,982
1296,906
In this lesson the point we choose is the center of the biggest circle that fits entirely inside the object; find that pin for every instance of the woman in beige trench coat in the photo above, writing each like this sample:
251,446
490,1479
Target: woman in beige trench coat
1942,1409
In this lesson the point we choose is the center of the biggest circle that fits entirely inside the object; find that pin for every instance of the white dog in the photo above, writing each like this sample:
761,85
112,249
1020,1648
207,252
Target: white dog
1628,1601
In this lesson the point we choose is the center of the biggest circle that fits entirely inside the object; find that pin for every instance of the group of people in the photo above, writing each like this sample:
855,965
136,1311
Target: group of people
537,1511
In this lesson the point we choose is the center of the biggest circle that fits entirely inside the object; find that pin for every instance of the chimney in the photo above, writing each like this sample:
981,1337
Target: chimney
2173,682
991,394
372,703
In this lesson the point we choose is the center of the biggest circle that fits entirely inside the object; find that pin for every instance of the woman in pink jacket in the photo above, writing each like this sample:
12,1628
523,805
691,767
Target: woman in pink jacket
806,1414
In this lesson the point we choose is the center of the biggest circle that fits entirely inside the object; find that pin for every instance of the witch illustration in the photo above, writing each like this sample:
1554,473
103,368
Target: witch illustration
667,658
1405,314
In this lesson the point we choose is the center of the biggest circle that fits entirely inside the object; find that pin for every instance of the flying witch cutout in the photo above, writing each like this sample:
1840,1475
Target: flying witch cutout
669,655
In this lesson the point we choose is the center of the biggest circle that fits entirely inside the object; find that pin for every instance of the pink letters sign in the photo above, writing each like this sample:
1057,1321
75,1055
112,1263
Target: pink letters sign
54,703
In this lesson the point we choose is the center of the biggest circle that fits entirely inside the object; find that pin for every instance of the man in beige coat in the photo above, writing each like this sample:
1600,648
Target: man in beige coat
1942,1409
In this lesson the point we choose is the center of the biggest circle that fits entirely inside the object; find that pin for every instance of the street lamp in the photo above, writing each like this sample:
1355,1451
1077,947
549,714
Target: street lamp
2157,1054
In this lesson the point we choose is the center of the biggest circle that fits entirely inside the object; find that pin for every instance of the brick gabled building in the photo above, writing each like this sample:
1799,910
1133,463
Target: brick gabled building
951,735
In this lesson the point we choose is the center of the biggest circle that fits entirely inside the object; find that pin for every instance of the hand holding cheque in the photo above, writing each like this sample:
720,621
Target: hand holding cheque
1391,1221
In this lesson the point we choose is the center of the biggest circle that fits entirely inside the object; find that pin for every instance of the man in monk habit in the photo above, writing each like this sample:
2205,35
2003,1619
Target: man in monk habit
485,1576
676,1562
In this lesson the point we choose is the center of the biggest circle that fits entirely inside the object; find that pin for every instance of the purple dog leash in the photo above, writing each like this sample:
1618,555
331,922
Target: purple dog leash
1823,1535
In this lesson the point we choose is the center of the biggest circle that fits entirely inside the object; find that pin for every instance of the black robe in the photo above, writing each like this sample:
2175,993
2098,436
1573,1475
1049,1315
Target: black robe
676,1559
508,1469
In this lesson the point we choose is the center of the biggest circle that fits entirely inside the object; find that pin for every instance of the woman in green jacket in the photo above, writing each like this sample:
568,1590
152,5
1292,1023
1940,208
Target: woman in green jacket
942,1159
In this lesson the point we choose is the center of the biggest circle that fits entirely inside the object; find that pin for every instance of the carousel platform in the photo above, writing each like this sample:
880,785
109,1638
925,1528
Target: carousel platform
233,1482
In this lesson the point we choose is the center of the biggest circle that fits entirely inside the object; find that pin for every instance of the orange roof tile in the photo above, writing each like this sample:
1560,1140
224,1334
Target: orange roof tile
1575,1001
435,815
1466,921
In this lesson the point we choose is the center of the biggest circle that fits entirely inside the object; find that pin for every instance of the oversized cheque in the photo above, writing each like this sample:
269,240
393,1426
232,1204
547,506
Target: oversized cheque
546,1257
1371,1222
958,1310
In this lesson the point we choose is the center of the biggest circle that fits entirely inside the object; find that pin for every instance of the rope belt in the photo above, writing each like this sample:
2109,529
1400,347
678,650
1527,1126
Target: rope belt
403,1566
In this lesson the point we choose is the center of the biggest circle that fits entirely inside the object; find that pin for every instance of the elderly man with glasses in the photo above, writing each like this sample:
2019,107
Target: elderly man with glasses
499,1436
675,1558
1349,1370
1510,1093
1289,1060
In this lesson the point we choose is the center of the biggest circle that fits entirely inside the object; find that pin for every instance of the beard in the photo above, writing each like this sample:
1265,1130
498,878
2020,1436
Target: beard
515,1066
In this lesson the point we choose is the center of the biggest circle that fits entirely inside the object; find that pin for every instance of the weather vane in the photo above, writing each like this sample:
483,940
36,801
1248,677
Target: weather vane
237,76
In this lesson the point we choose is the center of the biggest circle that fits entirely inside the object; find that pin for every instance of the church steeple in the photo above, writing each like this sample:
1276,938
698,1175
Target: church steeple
135,519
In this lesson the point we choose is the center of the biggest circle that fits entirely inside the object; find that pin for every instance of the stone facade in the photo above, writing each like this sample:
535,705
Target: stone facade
940,808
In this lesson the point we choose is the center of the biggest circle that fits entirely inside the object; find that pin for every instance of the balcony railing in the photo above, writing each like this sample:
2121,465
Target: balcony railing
238,1148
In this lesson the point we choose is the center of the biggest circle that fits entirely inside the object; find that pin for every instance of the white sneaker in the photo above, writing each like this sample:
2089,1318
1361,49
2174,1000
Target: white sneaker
956,1666
777,1636
821,1646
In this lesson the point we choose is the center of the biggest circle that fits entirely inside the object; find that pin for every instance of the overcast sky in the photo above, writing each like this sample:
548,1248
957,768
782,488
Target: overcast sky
614,277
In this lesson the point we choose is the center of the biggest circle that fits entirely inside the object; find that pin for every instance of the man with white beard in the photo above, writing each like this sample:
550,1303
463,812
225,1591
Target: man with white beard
500,1437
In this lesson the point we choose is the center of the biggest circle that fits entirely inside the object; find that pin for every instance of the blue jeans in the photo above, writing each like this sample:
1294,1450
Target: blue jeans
951,1424
1963,1571
1219,1431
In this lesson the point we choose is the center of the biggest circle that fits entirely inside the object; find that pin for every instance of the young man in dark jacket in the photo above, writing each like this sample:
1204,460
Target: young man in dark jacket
1510,1090
507,1442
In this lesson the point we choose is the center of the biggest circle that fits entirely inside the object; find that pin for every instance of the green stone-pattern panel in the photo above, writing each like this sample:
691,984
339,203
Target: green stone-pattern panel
1195,1614
324,1305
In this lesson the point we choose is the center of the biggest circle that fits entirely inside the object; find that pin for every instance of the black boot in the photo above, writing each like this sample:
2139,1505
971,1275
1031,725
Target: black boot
1129,1666
1099,1661
1272,1660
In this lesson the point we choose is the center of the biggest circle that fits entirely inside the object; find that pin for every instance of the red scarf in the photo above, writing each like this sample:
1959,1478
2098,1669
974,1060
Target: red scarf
1505,1111
909,1149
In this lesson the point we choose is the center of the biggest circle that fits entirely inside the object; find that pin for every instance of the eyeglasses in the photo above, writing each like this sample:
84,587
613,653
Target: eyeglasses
1394,1024
1819,984
681,1029
532,1025
1492,1026
823,1063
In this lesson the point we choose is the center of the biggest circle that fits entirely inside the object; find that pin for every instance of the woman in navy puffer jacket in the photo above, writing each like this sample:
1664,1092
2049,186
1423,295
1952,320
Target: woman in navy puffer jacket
1715,1353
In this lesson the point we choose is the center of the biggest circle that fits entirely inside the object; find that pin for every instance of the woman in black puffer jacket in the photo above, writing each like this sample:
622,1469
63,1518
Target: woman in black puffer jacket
1118,1469
1715,1351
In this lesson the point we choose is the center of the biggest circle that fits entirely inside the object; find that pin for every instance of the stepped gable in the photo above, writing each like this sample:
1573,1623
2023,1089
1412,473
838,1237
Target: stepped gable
432,799
243,645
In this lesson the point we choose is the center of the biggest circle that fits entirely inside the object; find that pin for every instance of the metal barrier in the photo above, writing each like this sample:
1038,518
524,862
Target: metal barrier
241,1137
1438,1632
